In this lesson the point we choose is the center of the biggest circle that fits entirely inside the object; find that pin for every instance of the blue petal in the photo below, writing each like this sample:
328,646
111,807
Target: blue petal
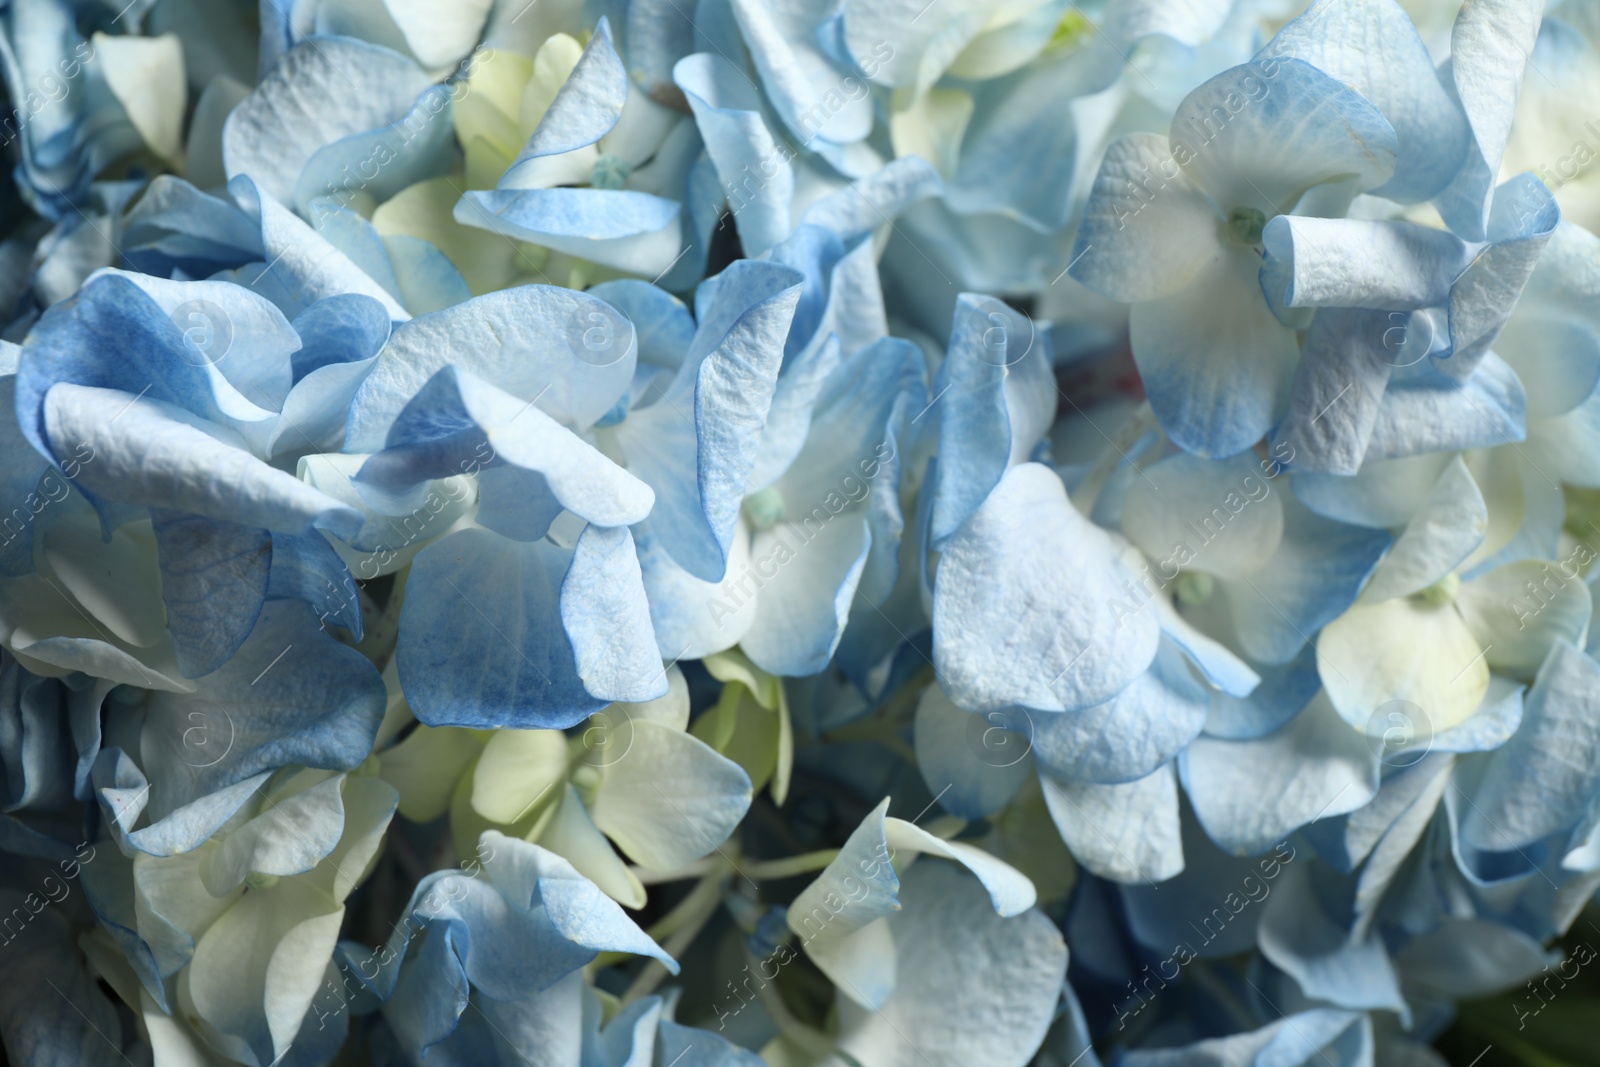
754,170
460,423
1310,580
497,632
1287,126
565,351
699,467
975,764
1430,412
585,109
1130,735
1127,832
1374,48
876,200
1522,217
632,231
1219,398
1147,231
258,712
413,146
148,452
1489,48
1285,689
300,267
999,398
213,584
1249,794
1023,604
1543,779
812,96
318,93
1303,941
1340,385
1305,1039
1362,263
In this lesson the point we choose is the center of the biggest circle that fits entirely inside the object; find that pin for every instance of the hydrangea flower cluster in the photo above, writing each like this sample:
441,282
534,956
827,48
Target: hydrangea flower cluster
804,533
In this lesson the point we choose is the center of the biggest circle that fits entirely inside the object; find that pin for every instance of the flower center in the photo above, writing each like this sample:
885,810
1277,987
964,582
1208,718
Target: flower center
1194,588
610,173
1441,592
764,508
1245,225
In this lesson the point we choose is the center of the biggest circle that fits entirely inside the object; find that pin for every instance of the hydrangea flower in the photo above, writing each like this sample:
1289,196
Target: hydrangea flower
796,534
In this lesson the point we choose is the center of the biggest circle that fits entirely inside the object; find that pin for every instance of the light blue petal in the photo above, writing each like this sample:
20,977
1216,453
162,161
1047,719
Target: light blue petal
565,351
231,328
586,107
1542,780
112,335
632,231
151,453
1285,689
1125,833
1375,49
1383,493
490,628
1147,231
53,1013
754,170
1220,398
1339,387
1022,604
1445,531
1301,1040
260,712
812,96
975,764
176,226
213,585
1303,941
1489,48
663,325
1210,907
1430,412
875,200
803,609
1020,149
1287,126
1310,580
1362,263
974,990
1130,735
1250,794
412,146
459,423
306,567
699,466
320,92
1522,217
999,398
300,266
